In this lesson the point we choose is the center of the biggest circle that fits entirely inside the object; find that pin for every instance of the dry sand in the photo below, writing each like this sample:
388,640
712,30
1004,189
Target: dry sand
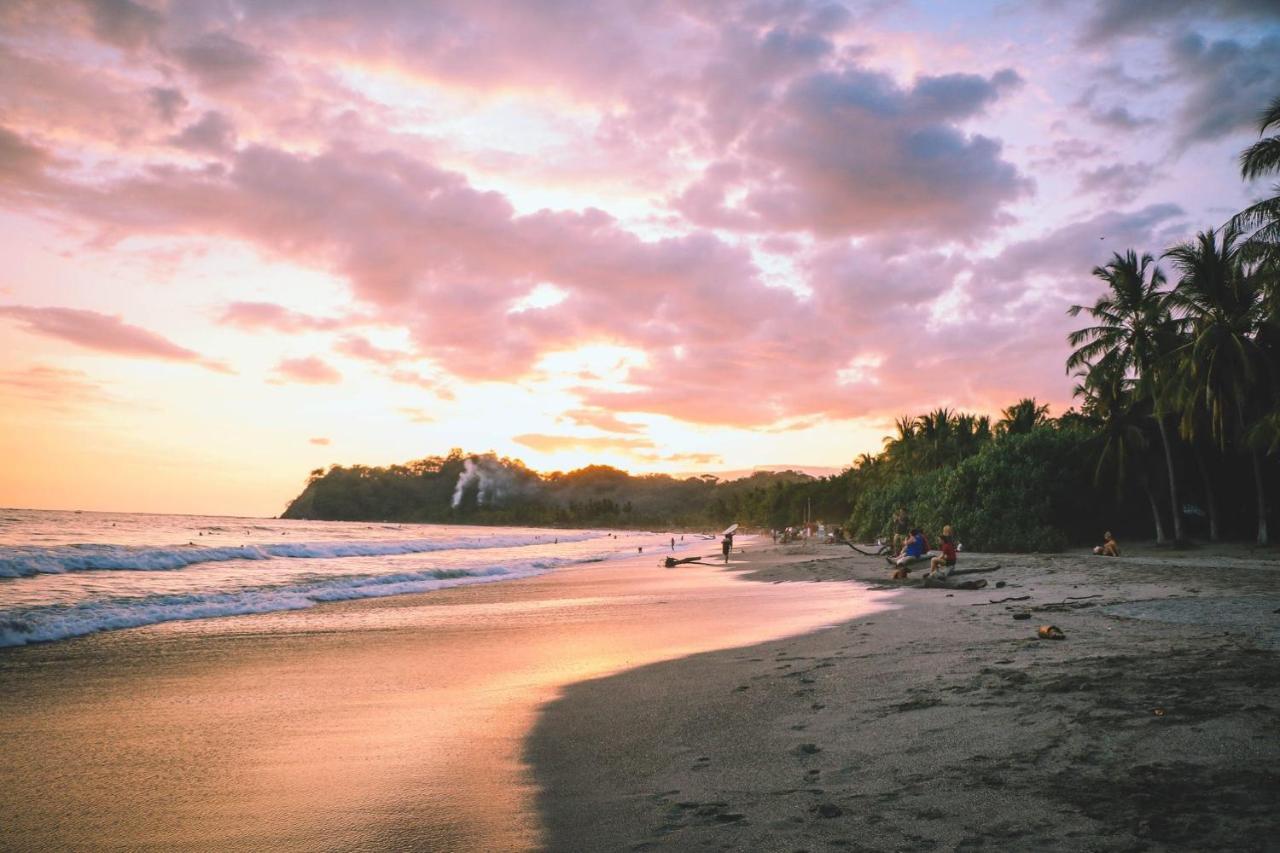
946,724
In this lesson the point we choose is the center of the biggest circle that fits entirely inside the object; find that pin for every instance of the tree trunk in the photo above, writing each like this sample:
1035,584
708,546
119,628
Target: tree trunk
1261,496
1210,497
1155,511
1173,482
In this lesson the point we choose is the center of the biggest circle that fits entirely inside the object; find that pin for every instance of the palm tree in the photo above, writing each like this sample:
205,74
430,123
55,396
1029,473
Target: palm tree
936,439
1221,367
1262,218
1109,400
901,449
1022,417
1132,329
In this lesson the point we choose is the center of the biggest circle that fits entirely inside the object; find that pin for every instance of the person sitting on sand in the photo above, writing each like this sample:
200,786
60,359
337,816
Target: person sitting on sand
1109,547
915,549
941,566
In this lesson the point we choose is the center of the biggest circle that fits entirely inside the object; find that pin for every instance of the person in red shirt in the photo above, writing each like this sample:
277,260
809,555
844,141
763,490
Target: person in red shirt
941,566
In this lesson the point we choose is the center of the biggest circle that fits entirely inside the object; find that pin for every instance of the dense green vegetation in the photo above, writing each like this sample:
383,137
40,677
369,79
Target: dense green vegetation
1176,435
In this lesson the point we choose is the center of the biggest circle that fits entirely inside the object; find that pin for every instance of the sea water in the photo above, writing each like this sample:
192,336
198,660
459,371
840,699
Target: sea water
66,574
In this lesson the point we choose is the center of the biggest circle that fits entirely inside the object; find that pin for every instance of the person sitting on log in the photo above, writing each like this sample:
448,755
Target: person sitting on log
915,549
944,564
1109,547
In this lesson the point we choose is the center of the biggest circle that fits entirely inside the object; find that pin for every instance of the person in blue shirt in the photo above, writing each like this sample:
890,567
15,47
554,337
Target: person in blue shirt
916,548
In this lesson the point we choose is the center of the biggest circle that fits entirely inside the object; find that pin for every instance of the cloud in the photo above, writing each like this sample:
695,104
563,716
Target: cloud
1066,152
103,333
212,134
1113,19
417,416
168,102
320,440
358,347
266,315
1116,118
1119,118
309,371
684,458
1230,83
55,387
1075,248
853,152
602,420
21,162
557,443
219,60
1119,183
122,23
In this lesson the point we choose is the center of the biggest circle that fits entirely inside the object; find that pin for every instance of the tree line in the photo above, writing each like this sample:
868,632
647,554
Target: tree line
1187,370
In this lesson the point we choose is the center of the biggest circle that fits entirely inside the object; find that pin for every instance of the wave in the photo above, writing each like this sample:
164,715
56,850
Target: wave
58,622
26,561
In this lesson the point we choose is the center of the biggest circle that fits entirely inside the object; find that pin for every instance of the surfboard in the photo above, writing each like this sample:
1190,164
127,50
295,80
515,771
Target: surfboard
729,529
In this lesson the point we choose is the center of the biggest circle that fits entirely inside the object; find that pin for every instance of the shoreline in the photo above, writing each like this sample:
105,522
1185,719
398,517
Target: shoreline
946,723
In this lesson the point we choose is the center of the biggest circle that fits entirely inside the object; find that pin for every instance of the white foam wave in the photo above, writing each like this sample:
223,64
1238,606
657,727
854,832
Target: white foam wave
57,622
25,561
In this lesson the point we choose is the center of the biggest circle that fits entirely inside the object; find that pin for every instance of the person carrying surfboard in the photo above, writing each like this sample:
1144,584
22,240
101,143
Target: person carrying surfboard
726,544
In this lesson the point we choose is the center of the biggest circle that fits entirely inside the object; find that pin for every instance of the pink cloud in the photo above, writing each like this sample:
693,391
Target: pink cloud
555,443
807,143
309,371
266,315
358,347
684,458
55,387
103,333
602,420
321,441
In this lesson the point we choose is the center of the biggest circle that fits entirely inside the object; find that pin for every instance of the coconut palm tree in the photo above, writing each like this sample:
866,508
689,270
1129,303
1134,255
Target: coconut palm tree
1263,218
1022,417
1222,376
1132,329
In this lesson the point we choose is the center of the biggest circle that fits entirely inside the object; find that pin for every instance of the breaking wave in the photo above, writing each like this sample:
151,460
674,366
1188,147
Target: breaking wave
25,561
57,622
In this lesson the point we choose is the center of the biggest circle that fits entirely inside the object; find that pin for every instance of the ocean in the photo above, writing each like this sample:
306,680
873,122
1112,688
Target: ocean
67,574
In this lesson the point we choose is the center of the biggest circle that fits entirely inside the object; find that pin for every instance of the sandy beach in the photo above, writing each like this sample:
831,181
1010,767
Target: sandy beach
793,701
946,724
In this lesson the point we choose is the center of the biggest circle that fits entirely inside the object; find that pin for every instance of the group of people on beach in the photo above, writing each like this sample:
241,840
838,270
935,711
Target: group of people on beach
910,546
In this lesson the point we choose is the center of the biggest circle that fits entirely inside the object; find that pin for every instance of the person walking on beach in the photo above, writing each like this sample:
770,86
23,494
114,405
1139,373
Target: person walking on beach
726,545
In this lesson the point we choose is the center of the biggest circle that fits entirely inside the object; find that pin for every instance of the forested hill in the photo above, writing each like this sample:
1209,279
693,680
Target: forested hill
463,488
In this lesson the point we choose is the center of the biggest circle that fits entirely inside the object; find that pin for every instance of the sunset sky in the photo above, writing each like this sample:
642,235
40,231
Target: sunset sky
245,240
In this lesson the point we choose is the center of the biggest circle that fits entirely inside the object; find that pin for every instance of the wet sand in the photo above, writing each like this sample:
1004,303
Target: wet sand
390,724
946,724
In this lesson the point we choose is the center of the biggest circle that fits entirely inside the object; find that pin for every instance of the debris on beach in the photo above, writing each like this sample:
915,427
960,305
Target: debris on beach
826,810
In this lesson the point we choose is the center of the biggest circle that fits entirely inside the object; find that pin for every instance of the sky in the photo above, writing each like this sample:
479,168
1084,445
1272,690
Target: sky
245,240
